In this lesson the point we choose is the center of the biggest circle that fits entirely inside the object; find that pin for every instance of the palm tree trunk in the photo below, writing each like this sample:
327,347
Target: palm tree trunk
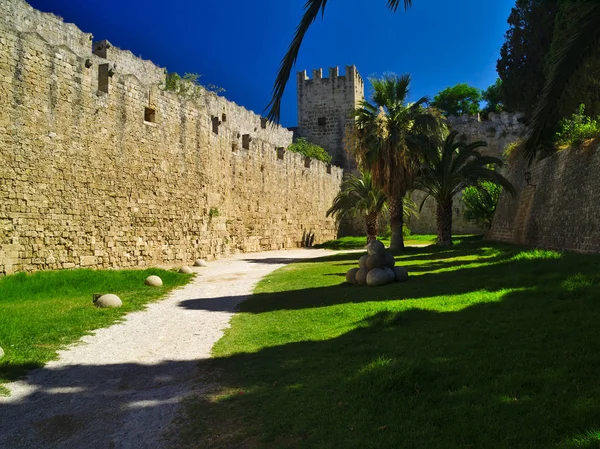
372,222
444,222
396,221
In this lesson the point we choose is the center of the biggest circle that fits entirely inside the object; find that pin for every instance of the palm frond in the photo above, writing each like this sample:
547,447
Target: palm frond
582,40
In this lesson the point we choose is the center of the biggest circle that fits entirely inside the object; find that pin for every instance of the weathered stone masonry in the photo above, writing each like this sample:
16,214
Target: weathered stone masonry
558,209
99,167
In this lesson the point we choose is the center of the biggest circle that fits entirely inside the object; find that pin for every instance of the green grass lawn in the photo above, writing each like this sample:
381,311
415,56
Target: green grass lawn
360,242
42,312
486,346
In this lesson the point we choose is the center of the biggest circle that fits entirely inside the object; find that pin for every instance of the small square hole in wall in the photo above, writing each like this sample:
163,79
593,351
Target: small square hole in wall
322,121
307,162
328,169
246,139
224,118
263,123
149,115
234,147
280,153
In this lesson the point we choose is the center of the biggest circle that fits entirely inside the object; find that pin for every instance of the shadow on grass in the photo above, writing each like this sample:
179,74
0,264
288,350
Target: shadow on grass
520,372
495,273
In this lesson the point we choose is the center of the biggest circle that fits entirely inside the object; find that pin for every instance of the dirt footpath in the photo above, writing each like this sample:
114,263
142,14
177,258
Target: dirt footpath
120,387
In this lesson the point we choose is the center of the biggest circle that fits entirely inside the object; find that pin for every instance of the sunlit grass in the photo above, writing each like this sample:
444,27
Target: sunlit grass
485,346
42,312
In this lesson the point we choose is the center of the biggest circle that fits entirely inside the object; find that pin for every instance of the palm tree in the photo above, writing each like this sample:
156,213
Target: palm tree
360,197
383,145
447,170
312,9
581,40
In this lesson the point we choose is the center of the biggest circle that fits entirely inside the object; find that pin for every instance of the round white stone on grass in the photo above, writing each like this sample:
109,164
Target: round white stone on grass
153,281
200,263
362,262
375,247
110,301
390,274
361,277
389,260
401,274
186,270
377,277
351,275
1,353
375,261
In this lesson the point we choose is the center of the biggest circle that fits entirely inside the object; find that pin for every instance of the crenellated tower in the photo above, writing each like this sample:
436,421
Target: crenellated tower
325,106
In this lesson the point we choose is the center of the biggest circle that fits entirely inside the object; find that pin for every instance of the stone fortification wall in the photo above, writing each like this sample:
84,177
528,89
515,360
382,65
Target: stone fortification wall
558,209
99,167
498,130
325,106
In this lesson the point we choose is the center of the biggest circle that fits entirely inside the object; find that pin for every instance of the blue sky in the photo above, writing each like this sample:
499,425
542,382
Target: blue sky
238,44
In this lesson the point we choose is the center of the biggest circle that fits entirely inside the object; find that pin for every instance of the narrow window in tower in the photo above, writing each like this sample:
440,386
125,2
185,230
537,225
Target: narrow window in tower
149,115
246,139
280,153
263,123
224,118
215,125
322,121
103,78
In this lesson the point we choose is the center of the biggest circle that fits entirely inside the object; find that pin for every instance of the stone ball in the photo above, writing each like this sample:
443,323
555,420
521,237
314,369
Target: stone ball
200,263
375,247
351,276
375,261
390,274
1,353
401,274
377,277
389,260
108,301
361,277
153,281
186,270
362,262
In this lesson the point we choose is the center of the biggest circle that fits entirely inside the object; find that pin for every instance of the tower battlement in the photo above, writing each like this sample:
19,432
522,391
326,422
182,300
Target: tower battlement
325,106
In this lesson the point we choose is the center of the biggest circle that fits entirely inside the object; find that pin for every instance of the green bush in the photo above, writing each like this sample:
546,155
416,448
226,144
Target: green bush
311,150
481,201
574,131
188,86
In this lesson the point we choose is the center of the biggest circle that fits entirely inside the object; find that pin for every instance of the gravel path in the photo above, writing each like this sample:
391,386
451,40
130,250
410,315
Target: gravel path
120,388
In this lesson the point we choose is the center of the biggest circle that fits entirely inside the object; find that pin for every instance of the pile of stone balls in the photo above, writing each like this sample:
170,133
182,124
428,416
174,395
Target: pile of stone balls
376,268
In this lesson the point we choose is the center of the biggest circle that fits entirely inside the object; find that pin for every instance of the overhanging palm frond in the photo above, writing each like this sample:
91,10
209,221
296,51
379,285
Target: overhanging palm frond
312,9
581,41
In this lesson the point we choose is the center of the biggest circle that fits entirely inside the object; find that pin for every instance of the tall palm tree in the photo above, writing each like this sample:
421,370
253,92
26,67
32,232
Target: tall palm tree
360,197
312,9
581,40
383,142
447,169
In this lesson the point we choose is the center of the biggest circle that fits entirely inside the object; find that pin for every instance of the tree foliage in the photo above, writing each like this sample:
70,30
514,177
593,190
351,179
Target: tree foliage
385,141
311,150
524,54
360,197
481,201
493,97
447,169
458,100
